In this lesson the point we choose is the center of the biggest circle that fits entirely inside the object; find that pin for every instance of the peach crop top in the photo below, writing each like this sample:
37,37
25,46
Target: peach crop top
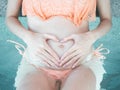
74,10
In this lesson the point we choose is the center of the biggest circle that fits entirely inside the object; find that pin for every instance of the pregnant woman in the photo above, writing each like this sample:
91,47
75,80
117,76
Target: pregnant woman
60,54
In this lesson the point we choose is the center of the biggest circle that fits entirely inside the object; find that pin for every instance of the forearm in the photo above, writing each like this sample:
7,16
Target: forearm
16,27
103,28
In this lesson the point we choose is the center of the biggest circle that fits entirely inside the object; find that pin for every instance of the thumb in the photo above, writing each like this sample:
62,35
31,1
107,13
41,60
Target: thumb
52,37
67,38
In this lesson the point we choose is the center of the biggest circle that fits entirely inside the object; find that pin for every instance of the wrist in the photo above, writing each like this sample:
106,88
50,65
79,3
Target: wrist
27,35
91,36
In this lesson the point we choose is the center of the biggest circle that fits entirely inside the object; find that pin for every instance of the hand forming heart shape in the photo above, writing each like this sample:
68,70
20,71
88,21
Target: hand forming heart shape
59,47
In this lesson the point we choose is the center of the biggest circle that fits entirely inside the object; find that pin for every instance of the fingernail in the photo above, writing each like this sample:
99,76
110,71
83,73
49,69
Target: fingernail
73,66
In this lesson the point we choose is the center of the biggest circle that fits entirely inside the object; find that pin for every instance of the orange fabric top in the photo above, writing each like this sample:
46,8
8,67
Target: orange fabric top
74,10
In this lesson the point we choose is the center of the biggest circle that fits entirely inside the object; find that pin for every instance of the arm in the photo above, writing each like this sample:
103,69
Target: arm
84,41
105,19
35,40
12,21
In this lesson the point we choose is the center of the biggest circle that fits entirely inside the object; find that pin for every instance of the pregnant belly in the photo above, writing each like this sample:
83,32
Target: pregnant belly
58,27
60,48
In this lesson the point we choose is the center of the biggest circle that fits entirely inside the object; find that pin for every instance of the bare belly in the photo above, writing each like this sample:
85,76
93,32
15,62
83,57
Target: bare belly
58,26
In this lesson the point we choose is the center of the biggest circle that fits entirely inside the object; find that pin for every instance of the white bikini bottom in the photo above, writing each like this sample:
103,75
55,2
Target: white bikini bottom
94,61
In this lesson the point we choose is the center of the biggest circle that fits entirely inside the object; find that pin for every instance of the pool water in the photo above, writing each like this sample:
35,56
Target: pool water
10,58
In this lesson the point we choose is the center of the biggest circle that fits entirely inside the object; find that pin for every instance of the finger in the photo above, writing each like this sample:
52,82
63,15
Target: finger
66,59
48,65
73,60
78,62
71,50
44,60
67,38
51,52
45,63
53,59
48,57
52,37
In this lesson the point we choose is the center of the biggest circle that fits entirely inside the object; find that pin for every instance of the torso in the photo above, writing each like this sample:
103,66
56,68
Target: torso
58,26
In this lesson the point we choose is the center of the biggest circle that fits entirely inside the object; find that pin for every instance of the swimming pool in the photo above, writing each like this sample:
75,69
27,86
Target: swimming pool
10,58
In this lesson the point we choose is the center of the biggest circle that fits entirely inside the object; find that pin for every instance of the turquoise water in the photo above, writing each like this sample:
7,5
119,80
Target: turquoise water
10,58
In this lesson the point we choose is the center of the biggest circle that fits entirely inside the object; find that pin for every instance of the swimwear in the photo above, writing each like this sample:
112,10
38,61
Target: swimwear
74,10
94,61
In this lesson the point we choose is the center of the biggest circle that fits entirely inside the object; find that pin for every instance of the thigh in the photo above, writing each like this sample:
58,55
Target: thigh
36,81
29,78
81,78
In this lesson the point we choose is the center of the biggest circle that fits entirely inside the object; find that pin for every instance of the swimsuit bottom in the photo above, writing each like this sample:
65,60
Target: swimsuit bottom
94,61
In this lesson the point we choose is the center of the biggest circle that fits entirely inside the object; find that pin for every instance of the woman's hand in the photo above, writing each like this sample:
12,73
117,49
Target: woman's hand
81,48
38,46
